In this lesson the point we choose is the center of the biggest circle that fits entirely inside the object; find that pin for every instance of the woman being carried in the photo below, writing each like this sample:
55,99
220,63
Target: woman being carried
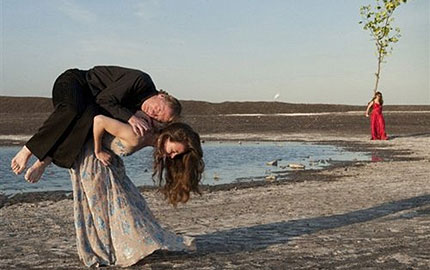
114,225
377,122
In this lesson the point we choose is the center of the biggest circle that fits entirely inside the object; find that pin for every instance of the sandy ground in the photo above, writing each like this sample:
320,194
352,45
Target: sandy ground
361,215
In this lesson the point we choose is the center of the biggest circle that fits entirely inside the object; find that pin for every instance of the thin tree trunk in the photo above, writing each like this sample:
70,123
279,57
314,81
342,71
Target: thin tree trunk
378,71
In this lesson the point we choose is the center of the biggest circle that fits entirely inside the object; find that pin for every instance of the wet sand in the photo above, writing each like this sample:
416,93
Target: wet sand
356,215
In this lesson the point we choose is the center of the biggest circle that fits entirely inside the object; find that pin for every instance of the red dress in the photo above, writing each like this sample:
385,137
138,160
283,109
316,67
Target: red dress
377,123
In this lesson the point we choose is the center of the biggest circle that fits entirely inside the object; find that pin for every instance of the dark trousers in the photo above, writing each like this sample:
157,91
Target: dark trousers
64,133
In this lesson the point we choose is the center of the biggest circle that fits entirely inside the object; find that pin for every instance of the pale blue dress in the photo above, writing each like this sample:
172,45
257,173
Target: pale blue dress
114,225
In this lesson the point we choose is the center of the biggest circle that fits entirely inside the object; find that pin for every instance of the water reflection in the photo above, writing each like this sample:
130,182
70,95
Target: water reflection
376,158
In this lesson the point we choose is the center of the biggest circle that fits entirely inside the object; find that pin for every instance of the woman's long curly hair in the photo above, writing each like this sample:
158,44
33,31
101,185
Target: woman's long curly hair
179,176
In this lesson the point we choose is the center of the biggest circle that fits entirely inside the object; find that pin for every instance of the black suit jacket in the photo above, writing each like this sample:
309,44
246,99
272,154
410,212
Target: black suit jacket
120,91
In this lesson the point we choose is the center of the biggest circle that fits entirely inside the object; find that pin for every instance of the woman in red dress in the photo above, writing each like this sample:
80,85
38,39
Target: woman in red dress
377,122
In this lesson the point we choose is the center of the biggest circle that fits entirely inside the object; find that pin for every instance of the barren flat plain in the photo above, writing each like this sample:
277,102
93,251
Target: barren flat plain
352,215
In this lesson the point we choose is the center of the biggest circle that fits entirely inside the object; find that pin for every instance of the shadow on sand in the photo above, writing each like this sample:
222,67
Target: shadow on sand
423,134
263,236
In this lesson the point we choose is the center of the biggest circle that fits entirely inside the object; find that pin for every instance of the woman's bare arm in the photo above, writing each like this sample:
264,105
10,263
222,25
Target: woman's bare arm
368,108
115,127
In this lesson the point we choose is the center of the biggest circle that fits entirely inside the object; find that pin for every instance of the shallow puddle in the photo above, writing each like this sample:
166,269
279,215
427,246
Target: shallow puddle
226,162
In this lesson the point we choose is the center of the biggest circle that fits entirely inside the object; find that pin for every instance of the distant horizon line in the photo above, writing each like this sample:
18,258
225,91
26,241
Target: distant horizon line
254,101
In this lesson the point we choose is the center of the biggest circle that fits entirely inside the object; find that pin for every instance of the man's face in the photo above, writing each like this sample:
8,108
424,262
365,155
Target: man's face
157,108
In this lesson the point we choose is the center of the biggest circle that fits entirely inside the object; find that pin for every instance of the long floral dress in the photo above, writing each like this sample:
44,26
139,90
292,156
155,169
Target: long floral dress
114,225
377,123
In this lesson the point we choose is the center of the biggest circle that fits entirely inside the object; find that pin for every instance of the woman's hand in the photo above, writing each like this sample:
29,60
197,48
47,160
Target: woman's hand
367,115
104,157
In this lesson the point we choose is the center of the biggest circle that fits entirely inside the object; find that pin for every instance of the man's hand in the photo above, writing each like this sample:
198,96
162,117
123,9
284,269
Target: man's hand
139,125
104,157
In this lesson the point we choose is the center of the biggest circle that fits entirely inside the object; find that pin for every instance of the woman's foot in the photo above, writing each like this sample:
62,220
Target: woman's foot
19,162
34,173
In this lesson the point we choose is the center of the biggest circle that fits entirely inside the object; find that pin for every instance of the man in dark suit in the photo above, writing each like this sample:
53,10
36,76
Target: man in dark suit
78,96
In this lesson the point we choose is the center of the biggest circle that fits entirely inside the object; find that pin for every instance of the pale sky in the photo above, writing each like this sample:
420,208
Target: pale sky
305,51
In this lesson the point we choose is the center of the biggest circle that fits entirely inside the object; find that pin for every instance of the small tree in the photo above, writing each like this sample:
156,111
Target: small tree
378,21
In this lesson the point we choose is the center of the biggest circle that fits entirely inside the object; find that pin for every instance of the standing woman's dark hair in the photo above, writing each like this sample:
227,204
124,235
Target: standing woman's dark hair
377,95
178,176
